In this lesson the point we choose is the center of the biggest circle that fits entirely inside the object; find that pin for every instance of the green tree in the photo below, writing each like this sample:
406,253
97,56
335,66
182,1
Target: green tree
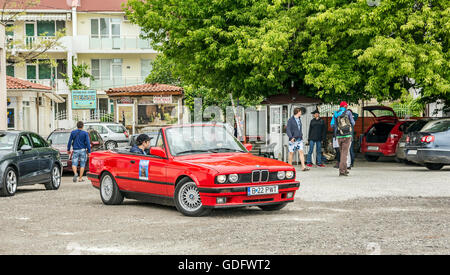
333,49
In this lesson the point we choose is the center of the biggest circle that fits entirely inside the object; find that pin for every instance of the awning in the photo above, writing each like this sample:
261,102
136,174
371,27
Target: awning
56,98
44,17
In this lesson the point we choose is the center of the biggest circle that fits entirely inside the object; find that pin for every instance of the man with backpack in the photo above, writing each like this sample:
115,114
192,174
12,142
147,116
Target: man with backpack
343,124
79,141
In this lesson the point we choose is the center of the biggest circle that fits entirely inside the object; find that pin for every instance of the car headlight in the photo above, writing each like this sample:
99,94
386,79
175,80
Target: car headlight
233,178
221,178
281,175
289,174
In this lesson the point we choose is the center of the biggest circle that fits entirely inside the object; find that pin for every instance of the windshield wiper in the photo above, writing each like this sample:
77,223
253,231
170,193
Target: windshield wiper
215,150
193,151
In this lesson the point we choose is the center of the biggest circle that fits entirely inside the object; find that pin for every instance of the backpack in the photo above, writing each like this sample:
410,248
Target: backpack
344,126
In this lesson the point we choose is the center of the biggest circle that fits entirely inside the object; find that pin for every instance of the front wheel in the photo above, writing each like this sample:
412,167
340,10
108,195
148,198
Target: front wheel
187,199
9,182
55,180
434,166
273,207
109,191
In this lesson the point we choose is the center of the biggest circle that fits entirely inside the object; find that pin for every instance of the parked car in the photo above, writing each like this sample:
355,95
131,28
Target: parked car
430,146
59,139
416,126
27,159
381,138
113,134
152,136
193,171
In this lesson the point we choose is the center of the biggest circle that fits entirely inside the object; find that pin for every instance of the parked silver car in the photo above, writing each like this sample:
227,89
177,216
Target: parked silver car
113,134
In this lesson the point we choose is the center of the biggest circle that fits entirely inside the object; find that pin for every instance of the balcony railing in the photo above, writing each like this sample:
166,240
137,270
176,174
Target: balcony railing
34,42
118,43
115,82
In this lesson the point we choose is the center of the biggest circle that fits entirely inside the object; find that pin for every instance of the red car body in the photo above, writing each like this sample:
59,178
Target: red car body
381,138
166,171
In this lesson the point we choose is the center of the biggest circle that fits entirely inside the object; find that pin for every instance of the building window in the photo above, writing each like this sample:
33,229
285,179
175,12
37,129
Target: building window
106,68
156,114
105,27
10,70
146,67
31,72
11,118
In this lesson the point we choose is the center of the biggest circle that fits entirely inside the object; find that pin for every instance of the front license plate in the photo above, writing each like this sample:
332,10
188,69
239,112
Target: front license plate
372,148
262,190
412,152
64,164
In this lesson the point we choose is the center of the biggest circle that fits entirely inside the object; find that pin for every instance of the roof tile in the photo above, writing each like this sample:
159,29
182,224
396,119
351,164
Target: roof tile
14,83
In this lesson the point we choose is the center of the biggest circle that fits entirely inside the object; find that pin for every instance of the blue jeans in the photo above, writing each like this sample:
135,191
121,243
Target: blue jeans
79,156
318,152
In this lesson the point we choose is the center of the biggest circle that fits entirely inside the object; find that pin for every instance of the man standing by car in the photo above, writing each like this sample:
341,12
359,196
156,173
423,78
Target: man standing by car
317,133
343,124
294,132
79,141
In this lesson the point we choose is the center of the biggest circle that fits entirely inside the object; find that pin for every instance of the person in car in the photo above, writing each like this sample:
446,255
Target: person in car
142,145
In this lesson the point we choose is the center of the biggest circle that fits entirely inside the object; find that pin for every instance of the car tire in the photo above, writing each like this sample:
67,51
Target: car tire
109,191
371,158
55,178
187,199
273,207
110,145
434,166
10,182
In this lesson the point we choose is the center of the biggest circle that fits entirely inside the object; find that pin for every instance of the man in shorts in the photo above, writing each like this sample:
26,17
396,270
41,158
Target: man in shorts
79,141
294,132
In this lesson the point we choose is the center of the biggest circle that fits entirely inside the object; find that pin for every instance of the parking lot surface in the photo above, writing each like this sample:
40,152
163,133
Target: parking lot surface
382,208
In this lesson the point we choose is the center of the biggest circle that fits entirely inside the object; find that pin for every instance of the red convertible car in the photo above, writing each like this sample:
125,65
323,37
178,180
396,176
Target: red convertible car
196,168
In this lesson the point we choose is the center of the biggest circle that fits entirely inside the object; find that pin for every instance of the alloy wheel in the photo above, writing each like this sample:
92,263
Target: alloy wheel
189,197
56,176
107,187
11,182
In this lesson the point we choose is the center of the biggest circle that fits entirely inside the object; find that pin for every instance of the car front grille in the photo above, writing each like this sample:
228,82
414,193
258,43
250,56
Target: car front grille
64,156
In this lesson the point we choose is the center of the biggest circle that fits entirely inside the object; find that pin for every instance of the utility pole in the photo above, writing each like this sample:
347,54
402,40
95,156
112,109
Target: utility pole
3,95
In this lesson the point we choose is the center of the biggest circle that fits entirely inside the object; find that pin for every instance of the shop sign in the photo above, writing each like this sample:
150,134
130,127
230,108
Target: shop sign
125,100
162,99
84,99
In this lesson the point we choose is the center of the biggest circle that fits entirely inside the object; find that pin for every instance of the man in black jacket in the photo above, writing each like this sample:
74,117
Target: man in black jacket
317,133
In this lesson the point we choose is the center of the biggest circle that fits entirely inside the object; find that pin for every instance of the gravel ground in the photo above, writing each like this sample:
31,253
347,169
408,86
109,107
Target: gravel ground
382,208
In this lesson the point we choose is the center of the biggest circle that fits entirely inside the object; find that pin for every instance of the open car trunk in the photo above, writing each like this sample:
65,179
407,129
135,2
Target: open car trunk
379,132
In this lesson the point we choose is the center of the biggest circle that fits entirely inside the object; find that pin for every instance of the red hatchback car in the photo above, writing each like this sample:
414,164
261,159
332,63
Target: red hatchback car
196,168
381,138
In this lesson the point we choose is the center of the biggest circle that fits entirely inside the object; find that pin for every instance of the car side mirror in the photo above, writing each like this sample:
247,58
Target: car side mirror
25,148
248,146
157,151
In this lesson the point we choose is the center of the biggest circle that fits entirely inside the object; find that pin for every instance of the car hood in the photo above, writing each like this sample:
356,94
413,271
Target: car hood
60,147
234,162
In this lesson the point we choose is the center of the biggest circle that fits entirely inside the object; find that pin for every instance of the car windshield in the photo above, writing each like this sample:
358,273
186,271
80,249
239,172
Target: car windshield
417,126
7,141
117,128
201,139
437,126
59,138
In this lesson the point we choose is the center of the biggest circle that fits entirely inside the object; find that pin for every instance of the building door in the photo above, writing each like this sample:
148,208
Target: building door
30,32
276,128
125,115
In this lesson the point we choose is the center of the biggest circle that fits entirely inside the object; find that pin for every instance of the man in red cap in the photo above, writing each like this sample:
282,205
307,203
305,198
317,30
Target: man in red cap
343,123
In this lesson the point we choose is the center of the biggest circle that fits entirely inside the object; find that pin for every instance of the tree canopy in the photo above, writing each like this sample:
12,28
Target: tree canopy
333,49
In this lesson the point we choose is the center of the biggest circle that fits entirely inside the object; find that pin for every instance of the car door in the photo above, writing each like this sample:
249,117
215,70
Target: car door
149,172
45,157
27,161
